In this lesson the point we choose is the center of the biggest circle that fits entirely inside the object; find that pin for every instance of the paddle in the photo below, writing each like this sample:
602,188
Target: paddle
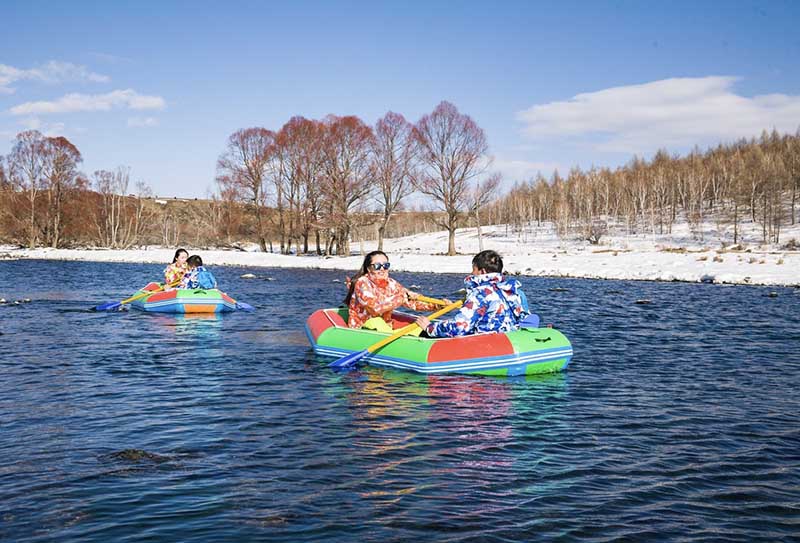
242,306
531,321
111,306
348,361
435,301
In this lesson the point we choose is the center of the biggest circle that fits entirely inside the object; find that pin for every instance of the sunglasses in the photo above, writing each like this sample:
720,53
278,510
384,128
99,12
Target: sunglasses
379,266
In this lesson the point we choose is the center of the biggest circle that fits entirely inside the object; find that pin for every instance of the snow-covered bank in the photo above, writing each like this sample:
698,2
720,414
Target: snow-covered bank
536,252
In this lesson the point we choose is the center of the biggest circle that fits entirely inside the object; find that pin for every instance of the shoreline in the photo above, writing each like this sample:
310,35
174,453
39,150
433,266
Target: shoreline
755,268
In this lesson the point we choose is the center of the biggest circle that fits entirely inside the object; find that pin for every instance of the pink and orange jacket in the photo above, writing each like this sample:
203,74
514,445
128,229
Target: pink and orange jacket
378,299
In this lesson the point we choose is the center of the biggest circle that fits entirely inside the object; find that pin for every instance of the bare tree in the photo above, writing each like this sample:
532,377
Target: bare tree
111,186
5,181
451,150
300,164
61,159
142,215
346,150
230,220
393,152
792,153
120,219
26,166
479,197
244,164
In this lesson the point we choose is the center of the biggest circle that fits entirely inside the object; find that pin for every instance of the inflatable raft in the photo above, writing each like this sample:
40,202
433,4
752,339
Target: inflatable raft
521,352
183,300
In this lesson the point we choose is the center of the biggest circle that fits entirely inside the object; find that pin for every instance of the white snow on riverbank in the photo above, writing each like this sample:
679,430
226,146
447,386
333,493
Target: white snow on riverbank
535,252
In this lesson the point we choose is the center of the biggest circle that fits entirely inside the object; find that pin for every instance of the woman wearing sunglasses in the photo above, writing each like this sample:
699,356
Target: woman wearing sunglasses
373,295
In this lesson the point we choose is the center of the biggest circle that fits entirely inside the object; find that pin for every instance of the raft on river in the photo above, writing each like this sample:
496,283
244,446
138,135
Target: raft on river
521,352
183,300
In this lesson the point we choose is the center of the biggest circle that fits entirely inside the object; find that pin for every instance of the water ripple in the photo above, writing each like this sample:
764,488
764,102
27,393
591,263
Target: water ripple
674,422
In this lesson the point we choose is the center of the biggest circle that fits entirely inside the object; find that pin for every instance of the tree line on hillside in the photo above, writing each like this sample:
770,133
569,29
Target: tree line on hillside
322,181
756,179
329,182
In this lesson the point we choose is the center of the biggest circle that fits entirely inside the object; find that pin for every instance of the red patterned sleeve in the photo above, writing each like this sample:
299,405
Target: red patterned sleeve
417,305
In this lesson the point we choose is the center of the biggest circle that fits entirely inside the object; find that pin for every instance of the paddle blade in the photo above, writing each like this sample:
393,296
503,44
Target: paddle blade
244,307
108,306
531,321
347,362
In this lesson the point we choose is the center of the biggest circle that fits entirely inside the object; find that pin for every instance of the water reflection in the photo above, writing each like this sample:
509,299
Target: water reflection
477,411
200,325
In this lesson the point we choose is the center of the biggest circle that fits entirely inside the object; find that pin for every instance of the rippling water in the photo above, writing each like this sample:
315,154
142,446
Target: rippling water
677,419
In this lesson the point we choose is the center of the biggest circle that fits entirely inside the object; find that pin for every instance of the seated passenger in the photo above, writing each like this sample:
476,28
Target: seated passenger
373,295
493,303
174,272
198,276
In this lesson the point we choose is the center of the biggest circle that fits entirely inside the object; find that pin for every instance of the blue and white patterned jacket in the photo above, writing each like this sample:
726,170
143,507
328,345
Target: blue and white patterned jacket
199,277
493,304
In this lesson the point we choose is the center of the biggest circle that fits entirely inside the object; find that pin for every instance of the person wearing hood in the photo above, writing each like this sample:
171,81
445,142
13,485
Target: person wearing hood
372,295
493,303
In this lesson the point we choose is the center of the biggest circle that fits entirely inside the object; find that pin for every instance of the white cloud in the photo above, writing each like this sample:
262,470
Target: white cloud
666,113
139,122
110,59
522,170
51,72
48,129
125,99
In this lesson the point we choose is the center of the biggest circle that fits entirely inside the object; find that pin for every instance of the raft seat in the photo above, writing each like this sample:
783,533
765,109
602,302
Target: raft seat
399,320
338,318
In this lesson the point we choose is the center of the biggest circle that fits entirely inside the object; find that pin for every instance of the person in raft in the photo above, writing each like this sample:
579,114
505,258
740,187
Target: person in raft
372,295
175,271
198,276
493,303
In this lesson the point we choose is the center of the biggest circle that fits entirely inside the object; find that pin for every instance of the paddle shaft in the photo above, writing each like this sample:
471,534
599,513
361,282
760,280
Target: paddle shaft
148,292
351,359
436,301
408,329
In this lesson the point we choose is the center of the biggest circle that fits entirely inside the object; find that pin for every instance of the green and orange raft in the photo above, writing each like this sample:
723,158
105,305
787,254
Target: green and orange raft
183,300
522,352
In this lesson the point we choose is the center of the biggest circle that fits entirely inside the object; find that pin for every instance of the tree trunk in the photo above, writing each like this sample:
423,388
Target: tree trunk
262,240
451,241
382,231
480,235
343,241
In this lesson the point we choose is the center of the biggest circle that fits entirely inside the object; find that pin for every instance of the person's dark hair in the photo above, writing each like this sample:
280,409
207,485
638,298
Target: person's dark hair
489,261
362,271
194,261
177,254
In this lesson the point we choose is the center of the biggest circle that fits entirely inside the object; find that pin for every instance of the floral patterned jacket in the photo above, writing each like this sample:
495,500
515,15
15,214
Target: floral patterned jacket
175,272
377,298
493,304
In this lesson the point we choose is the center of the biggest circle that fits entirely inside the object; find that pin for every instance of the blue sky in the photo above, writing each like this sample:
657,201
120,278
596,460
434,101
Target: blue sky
159,86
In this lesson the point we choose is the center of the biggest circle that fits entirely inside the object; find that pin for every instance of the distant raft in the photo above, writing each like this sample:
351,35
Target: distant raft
521,352
184,300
